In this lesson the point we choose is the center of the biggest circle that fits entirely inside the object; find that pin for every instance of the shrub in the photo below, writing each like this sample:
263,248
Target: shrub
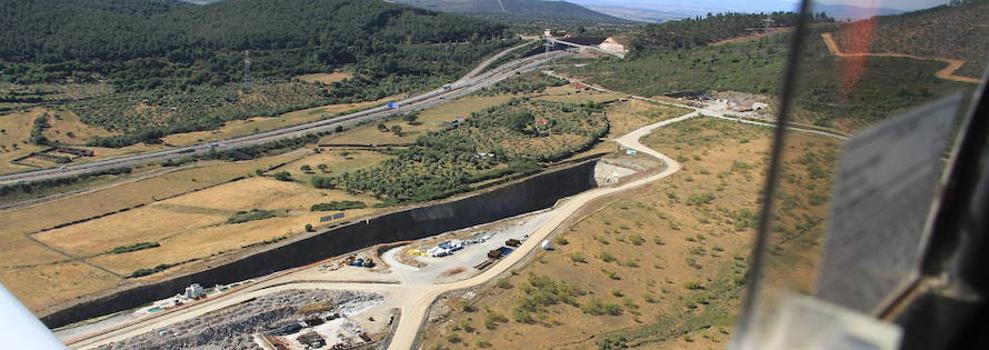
596,307
577,257
700,199
636,239
541,292
338,205
283,176
694,285
253,215
492,319
135,247
145,272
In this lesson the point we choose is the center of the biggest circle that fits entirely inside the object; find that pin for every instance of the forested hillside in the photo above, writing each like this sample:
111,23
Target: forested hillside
146,43
693,32
943,31
151,50
518,9
886,87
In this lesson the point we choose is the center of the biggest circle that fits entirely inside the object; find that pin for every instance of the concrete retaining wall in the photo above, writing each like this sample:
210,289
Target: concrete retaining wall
534,193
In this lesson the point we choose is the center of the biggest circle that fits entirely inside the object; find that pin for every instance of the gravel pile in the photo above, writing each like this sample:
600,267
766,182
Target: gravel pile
231,328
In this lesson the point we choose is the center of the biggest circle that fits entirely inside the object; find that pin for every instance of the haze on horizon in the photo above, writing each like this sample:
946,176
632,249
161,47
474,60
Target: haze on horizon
768,5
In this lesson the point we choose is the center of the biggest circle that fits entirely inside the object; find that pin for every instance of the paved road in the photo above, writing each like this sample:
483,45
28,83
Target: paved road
470,83
413,300
711,110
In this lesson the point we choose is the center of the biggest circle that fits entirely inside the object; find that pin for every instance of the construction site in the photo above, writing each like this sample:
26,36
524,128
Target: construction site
287,320
352,301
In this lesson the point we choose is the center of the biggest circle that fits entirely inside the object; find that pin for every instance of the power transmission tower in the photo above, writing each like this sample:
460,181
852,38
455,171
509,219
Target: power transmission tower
247,70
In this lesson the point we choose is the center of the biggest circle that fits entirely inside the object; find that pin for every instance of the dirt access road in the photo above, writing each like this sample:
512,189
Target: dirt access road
414,301
947,73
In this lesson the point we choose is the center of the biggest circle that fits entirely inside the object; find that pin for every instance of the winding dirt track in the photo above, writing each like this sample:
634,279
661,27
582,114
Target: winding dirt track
946,73
415,300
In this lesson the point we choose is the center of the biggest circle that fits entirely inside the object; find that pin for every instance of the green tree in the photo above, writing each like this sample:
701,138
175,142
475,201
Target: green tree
283,176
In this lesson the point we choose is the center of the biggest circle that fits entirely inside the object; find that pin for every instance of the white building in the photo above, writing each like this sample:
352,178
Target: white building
194,291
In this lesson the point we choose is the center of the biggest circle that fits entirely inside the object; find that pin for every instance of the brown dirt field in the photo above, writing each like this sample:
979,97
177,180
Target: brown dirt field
324,78
679,286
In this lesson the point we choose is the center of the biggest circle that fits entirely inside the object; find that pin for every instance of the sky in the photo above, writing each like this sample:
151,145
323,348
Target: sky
907,5
769,4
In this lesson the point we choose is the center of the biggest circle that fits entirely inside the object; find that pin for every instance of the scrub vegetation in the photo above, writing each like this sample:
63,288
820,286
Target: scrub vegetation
515,138
176,67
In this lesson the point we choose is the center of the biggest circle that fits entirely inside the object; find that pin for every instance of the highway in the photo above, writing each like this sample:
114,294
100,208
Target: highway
470,83
415,299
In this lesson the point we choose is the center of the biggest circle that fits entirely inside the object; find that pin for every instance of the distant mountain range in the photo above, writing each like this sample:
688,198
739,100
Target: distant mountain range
517,9
663,10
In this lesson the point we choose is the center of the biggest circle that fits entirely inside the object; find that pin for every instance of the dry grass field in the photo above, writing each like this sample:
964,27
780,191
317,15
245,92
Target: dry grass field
73,260
15,130
434,118
324,78
203,231
258,124
661,267
24,262
431,120
337,162
570,94
66,128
